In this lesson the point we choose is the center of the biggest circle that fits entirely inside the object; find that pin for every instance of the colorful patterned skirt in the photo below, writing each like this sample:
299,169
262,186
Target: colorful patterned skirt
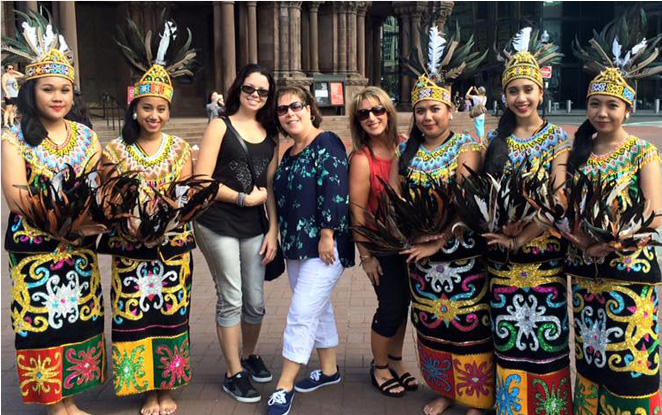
451,316
530,330
616,347
151,302
57,316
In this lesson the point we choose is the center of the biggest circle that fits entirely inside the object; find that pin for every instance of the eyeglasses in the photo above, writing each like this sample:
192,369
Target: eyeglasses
363,115
248,90
295,106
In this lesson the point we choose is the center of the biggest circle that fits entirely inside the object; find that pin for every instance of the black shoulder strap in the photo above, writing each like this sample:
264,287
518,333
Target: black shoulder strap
239,138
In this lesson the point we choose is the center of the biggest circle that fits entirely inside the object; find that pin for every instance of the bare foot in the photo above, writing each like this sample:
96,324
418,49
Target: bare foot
167,404
475,411
72,409
57,409
437,407
151,405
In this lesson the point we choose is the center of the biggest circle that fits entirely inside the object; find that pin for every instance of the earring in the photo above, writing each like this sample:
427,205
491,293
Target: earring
134,116
627,115
312,118
451,117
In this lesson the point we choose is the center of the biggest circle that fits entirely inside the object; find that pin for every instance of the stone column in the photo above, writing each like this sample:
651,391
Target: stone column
361,38
295,37
69,31
313,8
405,34
218,47
283,27
415,38
32,5
376,52
252,31
341,11
228,39
352,38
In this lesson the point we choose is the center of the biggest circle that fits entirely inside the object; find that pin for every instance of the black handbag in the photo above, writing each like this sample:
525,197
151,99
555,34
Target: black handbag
276,267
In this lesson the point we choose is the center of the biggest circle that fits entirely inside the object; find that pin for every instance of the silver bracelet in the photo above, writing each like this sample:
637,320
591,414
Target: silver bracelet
241,199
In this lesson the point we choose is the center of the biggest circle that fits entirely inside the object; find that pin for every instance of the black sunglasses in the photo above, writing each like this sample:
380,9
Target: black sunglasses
248,90
363,115
295,106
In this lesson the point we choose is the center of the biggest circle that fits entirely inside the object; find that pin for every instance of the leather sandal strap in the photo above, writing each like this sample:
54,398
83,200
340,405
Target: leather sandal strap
407,378
390,385
384,367
395,358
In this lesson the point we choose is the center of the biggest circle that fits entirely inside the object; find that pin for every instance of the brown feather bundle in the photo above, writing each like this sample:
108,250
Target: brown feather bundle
60,206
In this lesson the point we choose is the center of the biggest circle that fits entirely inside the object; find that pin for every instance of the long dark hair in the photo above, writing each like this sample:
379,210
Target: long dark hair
581,146
33,130
497,152
265,116
415,140
79,111
131,129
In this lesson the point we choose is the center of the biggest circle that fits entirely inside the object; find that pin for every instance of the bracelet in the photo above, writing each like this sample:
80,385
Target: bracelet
241,199
364,258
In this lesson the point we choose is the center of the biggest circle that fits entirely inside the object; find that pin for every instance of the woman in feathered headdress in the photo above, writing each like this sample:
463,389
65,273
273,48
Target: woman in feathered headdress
151,281
527,284
447,280
57,307
616,327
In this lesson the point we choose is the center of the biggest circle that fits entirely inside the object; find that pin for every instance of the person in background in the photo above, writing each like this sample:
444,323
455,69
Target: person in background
479,102
10,91
212,107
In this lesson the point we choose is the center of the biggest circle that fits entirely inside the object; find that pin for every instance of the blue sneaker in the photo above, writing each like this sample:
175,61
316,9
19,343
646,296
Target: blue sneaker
316,380
280,402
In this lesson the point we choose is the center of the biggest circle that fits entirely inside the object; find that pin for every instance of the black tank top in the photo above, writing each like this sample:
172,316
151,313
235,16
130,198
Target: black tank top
232,170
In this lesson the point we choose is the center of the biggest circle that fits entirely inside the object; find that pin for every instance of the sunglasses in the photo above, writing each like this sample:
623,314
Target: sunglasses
295,106
248,90
363,115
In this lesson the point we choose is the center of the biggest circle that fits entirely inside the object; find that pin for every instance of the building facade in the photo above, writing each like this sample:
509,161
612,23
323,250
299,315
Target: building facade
335,48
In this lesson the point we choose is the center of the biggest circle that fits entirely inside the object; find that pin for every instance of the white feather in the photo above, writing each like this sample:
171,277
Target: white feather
168,32
49,38
482,205
521,41
30,34
63,44
435,50
616,51
639,46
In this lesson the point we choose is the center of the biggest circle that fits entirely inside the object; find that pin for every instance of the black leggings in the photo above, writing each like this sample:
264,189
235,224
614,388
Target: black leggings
392,295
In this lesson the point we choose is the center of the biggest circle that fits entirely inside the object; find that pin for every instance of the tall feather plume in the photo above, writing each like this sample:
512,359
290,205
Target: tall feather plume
625,33
172,51
448,57
529,39
436,48
36,37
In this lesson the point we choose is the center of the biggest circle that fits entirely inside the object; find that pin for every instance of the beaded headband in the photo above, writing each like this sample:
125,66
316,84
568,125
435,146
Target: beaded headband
611,82
427,90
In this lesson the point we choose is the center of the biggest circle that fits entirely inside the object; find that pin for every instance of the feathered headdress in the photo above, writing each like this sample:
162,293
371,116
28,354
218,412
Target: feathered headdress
41,46
525,54
444,61
137,49
627,33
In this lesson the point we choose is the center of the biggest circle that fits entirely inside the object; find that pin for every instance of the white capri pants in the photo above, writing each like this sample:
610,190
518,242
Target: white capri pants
310,320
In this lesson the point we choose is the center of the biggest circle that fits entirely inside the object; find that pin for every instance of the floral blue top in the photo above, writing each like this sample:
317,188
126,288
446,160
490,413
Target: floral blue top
312,193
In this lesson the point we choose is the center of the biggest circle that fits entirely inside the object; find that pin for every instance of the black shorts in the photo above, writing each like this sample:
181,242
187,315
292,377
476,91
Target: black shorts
10,101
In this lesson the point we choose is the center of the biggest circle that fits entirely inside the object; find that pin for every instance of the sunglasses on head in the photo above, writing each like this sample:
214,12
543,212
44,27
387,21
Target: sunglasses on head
363,115
295,106
248,90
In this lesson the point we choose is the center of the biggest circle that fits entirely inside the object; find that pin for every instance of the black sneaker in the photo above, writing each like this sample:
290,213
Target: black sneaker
256,368
240,388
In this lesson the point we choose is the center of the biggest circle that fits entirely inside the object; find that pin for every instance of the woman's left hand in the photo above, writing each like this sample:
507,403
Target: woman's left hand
599,250
325,248
269,247
513,229
423,250
502,240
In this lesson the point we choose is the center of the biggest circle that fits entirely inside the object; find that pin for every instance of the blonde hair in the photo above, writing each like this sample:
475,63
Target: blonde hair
360,139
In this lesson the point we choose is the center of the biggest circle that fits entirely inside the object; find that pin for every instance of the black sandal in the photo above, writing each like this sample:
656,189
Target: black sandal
406,379
387,387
